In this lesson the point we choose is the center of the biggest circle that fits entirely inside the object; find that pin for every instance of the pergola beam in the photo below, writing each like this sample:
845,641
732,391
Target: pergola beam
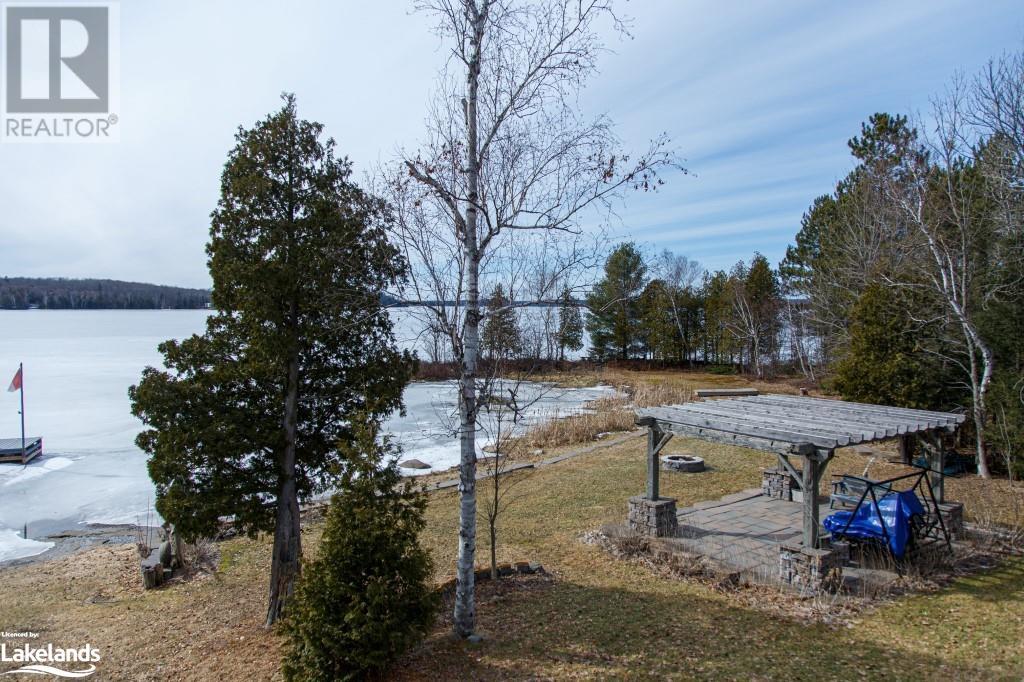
726,438
741,426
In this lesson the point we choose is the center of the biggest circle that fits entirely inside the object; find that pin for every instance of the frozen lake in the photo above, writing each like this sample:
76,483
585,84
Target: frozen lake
78,367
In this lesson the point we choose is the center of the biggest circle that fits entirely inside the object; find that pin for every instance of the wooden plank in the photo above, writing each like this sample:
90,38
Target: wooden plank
810,495
783,417
897,412
891,427
904,445
739,425
656,440
937,464
787,466
736,422
910,423
724,392
12,446
739,440
886,408
886,412
789,424
819,406
882,427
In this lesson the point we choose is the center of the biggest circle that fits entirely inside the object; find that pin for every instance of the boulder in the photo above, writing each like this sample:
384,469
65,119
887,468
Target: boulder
413,464
165,553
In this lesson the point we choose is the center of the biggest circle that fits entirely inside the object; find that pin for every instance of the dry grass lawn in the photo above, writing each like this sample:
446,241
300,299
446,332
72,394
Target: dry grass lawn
593,617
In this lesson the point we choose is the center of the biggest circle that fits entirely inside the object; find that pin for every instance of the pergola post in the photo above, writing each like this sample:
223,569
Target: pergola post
652,514
814,468
937,464
656,440
905,448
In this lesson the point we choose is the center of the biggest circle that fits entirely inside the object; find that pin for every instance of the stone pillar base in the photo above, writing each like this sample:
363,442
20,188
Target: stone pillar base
778,484
953,517
653,518
812,570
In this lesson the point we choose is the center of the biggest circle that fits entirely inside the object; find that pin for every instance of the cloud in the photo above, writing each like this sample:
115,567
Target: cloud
759,97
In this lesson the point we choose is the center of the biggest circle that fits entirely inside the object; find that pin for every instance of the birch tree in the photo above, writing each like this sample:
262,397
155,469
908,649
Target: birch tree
509,165
680,275
954,243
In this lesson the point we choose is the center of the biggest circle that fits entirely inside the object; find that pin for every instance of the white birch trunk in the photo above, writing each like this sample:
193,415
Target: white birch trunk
465,604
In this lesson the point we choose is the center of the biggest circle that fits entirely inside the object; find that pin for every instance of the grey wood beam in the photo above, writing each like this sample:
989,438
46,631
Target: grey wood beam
737,426
808,424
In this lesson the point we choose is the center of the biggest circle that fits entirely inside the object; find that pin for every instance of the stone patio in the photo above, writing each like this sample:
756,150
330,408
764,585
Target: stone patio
743,531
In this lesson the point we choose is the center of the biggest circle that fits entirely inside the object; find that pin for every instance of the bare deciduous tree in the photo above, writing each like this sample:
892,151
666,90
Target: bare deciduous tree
950,244
509,165
507,406
680,275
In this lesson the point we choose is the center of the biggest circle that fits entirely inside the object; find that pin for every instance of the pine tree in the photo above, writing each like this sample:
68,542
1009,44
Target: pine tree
366,598
613,317
885,363
248,417
763,291
659,332
570,325
501,338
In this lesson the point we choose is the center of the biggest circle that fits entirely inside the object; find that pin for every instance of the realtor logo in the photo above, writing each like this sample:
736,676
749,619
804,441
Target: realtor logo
59,67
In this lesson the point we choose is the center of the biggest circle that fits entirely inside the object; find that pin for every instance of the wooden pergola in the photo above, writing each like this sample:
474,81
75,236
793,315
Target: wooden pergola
792,426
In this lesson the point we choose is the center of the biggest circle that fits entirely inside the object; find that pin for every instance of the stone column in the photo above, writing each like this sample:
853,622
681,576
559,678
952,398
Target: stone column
653,518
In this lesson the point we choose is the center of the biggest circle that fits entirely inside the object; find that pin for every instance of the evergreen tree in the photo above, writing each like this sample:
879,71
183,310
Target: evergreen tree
501,338
366,598
659,332
762,289
719,347
613,317
249,416
885,364
570,325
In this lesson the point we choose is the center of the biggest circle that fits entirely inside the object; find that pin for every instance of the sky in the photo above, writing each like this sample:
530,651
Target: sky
759,99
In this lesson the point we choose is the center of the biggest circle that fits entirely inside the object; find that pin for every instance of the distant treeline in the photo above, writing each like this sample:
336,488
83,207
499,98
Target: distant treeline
57,293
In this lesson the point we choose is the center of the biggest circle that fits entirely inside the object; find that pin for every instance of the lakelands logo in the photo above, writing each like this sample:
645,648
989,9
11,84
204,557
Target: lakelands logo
38,660
60,67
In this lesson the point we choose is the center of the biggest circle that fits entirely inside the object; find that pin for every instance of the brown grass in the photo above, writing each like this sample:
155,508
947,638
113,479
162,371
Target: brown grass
607,415
601,618
594,618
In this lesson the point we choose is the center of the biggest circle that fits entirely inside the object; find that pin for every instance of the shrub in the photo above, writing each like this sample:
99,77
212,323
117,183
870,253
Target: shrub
885,363
364,599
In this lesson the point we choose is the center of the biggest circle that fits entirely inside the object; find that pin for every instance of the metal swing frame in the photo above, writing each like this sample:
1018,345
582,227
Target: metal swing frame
928,526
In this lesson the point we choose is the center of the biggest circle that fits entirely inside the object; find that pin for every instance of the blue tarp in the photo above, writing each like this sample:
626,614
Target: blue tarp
897,509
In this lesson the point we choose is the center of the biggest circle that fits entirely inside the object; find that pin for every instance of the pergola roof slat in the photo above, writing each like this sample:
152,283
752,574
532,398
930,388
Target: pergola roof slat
907,424
770,422
885,410
867,425
737,425
856,431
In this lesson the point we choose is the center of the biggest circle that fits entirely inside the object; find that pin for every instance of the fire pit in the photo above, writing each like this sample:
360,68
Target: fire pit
683,462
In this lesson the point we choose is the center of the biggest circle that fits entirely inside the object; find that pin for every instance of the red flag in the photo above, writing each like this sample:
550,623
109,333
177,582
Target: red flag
15,382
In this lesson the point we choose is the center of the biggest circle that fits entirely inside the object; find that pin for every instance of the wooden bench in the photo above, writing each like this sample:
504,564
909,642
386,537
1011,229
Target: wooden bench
848,490
725,392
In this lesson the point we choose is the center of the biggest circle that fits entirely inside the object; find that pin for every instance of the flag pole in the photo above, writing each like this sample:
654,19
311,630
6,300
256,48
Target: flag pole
21,372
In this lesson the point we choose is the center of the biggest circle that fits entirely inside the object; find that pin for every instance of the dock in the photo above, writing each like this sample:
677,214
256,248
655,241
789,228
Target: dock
10,449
